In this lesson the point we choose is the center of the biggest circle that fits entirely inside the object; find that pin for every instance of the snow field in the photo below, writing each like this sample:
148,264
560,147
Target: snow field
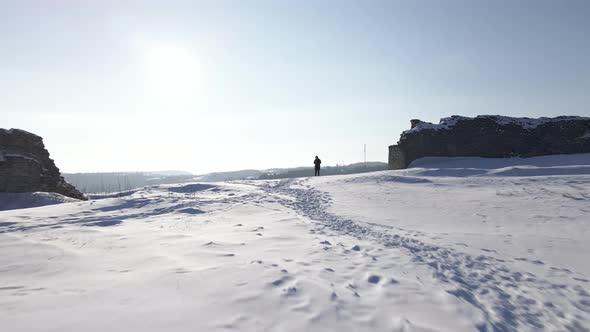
450,245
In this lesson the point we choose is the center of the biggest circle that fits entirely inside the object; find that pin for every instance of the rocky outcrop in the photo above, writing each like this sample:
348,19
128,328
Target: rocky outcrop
25,166
491,136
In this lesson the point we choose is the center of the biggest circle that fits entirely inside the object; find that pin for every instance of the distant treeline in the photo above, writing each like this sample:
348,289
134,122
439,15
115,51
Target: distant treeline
103,183
328,170
116,182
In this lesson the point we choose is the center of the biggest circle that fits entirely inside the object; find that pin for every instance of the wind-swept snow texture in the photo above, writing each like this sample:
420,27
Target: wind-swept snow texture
464,244
11,201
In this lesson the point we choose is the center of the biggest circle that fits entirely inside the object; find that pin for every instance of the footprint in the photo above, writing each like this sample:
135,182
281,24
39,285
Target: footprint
353,289
374,279
290,291
334,296
280,281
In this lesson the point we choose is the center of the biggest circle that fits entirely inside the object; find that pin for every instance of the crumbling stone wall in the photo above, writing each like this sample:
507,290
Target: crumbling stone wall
397,157
492,137
25,166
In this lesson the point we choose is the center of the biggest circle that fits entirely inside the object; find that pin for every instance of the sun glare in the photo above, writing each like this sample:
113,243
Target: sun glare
171,71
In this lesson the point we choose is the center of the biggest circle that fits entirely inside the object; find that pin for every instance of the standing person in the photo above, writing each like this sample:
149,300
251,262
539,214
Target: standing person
317,162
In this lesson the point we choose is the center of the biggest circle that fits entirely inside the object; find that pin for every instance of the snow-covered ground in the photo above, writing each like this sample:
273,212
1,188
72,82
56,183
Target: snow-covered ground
11,201
464,244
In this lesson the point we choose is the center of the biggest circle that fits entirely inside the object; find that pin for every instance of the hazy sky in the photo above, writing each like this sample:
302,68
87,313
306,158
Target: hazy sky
223,85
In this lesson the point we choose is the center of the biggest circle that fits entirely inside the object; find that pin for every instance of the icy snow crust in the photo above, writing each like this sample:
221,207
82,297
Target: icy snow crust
452,244
527,123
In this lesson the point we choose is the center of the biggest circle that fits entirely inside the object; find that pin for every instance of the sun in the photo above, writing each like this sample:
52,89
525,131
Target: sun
171,71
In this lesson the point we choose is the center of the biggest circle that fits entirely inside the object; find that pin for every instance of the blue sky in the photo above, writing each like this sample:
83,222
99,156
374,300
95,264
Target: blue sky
223,85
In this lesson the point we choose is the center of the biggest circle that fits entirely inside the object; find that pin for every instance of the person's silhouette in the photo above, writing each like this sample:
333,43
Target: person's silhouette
317,162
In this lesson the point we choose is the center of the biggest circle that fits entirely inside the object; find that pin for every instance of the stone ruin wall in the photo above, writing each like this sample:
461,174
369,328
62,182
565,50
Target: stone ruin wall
491,137
25,166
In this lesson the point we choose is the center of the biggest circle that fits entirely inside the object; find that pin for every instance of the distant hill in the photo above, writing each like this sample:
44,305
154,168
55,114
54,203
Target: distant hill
327,170
293,172
95,183
104,183
228,176
171,173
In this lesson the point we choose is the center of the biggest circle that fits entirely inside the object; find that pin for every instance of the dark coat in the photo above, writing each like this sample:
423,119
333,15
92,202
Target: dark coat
317,162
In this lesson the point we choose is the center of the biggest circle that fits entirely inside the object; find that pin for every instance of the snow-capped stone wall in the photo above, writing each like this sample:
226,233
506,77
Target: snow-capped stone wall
25,166
491,136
